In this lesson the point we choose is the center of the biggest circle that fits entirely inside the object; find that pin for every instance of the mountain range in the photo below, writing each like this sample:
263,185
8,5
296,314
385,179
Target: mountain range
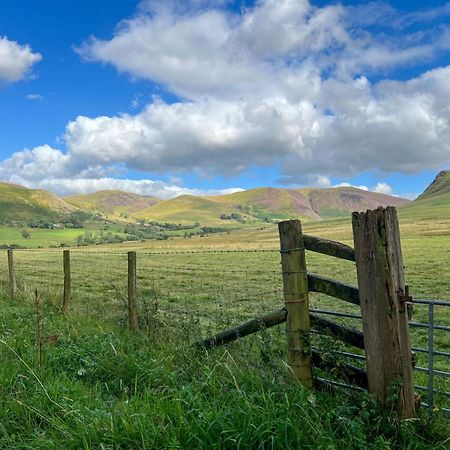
261,204
266,204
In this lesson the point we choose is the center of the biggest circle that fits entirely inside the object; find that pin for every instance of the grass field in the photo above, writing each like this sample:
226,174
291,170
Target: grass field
98,386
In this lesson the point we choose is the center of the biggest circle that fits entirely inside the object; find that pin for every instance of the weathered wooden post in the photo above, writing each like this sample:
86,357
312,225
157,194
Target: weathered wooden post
12,273
382,295
67,280
295,285
132,292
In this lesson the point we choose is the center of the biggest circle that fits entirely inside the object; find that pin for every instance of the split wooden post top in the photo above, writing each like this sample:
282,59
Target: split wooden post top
381,283
295,286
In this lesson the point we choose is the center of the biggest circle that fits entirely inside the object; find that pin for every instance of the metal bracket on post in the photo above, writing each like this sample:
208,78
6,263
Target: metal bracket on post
405,300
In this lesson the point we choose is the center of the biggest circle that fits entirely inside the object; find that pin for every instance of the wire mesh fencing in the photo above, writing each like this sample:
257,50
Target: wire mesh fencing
204,292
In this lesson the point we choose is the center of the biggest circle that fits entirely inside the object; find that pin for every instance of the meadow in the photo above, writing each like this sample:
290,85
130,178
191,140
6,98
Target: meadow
82,380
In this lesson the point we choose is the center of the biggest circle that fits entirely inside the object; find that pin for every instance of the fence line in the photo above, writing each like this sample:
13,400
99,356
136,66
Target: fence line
223,295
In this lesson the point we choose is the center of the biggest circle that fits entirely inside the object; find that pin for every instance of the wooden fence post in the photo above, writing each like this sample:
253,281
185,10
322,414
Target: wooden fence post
67,280
295,286
132,292
381,283
12,273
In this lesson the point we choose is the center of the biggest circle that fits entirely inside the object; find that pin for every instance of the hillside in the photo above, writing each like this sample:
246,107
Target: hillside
267,204
341,201
434,202
247,207
18,203
439,186
273,203
188,209
112,202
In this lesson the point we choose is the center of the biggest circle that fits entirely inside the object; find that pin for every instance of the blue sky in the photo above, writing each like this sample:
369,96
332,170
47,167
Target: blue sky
170,97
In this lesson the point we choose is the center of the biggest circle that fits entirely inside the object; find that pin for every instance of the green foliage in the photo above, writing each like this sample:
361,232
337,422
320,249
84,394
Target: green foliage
100,237
25,233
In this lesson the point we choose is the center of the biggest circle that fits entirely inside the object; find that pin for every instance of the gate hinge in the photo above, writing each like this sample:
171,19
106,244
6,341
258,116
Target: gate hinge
404,300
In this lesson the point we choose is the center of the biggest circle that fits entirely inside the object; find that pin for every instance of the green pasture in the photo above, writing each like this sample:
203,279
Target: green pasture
92,384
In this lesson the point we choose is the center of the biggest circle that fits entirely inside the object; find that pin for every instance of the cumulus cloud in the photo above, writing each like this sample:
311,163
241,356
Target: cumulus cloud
279,82
380,188
352,127
207,137
48,168
155,188
15,60
310,89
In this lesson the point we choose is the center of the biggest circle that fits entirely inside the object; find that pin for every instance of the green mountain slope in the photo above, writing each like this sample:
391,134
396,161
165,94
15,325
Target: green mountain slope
267,204
187,209
440,186
434,202
18,203
247,207
274,203
341,201
112,202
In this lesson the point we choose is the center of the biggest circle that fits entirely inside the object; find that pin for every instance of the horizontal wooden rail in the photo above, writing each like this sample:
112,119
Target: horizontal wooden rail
338,331
343,291
250,327
351,373
345,334
327,247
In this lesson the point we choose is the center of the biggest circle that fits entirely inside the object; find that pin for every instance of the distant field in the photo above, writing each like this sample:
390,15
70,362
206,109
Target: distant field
40,237
43,237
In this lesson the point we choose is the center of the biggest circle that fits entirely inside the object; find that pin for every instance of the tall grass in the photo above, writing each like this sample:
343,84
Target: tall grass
98,386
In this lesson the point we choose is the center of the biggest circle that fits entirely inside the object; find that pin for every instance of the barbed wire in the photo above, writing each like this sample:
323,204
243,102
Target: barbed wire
156,253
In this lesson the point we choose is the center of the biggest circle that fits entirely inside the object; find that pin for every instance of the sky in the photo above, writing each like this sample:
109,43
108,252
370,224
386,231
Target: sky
170,97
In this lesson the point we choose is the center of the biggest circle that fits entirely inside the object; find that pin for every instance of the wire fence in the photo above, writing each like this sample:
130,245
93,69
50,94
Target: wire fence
208,291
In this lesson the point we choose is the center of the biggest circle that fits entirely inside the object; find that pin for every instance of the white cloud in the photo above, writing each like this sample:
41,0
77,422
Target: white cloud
207,137
159,189
347,184
280,82
35,97
283,82
383,127
198,52
380,187
48,168
15,60
383,188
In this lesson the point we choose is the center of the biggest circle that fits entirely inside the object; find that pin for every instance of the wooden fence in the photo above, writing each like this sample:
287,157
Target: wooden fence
381,294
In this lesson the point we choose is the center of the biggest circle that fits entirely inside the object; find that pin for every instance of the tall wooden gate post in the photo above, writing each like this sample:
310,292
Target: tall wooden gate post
12,273
132,292
295,286
67,280
381,283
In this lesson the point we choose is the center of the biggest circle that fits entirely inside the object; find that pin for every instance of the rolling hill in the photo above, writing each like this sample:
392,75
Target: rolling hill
251,207
188,209
112,202
267,204
434,202
18,203
341,201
